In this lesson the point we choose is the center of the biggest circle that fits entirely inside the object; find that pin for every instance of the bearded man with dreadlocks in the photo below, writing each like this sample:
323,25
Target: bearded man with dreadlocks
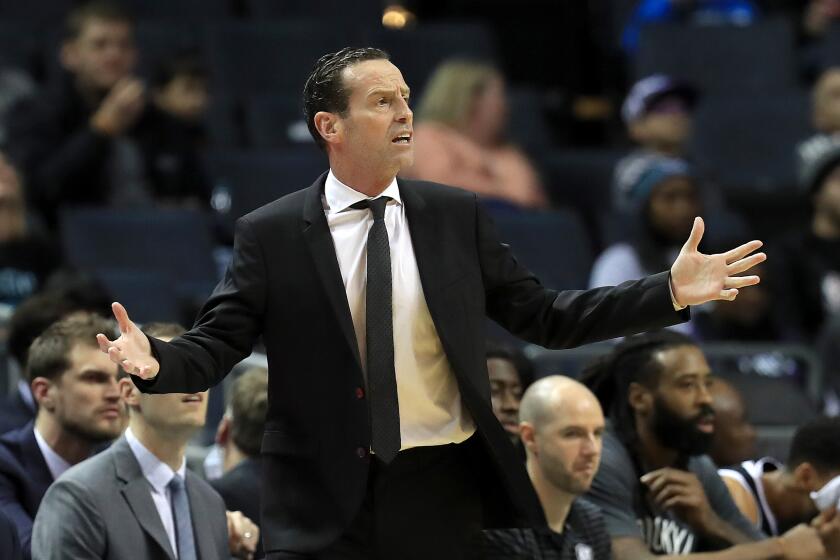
659,493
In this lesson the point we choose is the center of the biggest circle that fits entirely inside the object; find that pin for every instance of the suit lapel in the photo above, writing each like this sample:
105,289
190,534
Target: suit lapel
316,231
138,495
202,532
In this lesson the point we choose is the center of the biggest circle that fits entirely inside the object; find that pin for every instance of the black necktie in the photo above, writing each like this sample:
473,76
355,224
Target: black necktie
381,378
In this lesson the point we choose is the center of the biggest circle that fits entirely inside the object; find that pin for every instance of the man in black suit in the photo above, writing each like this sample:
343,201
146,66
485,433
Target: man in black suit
379,436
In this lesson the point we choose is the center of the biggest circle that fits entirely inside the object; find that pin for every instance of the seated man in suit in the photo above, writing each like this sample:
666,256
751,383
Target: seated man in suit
137,500
79,408
561,429
240,436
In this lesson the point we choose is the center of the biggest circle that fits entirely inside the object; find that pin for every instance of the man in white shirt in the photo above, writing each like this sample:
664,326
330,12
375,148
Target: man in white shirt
79,409
371,294
87,513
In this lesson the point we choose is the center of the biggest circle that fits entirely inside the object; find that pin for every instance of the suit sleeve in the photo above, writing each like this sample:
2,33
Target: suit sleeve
518,302
68,525
11,506
224,334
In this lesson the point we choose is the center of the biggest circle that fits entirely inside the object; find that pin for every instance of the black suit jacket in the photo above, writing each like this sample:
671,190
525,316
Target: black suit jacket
24,479
15,413
241,488
9,540
284,283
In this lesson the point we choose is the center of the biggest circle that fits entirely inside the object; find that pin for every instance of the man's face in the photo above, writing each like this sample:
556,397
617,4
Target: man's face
734,436
12,215
827,102
174,412
672,207
186,97
102,54
378,118
569,446
505,394
683,417
86,397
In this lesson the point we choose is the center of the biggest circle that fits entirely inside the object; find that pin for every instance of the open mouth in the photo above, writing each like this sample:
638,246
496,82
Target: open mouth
192,398
402,139
706,424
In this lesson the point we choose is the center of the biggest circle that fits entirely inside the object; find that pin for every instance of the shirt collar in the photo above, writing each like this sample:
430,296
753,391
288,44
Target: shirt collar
158,473
340,197
55,462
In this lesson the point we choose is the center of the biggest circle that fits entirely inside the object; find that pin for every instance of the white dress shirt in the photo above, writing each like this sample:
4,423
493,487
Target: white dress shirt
159,475
55,462
431,411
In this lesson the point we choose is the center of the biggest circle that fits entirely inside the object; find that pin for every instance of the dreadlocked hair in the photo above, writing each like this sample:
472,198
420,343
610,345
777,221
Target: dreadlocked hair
632,361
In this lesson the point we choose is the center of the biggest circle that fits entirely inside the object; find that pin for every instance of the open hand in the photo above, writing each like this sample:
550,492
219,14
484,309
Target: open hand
131,350
697,278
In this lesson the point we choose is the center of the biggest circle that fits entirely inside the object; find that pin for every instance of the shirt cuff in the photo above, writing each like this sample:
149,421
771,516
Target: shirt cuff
677,306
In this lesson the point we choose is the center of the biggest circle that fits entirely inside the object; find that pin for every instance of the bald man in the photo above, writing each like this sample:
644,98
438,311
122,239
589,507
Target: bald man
734,439
561,426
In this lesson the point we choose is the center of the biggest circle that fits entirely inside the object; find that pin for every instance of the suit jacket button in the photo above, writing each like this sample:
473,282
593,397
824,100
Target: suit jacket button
361,452
360,393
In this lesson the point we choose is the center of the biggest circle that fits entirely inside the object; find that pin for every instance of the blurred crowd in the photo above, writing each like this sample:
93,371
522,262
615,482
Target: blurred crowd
600,138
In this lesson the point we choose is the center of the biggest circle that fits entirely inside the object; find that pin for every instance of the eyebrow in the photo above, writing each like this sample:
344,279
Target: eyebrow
380,90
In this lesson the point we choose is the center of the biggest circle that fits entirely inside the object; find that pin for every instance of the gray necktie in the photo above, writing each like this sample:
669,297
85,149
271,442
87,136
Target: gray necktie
381,377
182,518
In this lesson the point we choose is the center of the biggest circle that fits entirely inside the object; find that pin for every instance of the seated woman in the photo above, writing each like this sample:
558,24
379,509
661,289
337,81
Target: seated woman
459,137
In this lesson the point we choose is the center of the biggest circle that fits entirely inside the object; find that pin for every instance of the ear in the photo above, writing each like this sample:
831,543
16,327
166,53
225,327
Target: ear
223,431
68,55
44,393
329,126
129,392
528,435
640,398
805,477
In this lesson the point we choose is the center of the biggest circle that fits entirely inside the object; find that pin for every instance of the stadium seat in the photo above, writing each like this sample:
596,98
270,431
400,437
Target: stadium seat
276,121
224,123
419,50
186,11
246,180
750,141
246,58
156,41
18,46
527,126
553,245
177,245
758,58
148,296
42,14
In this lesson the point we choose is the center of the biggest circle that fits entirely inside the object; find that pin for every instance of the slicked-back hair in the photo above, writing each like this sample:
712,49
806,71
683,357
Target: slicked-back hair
325,89
632,361
49,355
817,442
96,9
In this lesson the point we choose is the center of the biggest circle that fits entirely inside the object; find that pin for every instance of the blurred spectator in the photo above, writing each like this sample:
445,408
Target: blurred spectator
750,318
101,508
562,428
460,137
15,86
26,258
94,138
510,375
776,497
658,113
807,263
734,439
75,385
180,88
818,16
240,435
659,492
30,319
663,204
695,12
825,117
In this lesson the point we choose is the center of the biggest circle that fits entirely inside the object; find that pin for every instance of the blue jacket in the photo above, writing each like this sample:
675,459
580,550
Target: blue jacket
24,479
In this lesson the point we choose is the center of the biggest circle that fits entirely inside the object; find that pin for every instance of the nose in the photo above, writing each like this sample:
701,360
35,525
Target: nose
704,396
510,402
112,390
404,112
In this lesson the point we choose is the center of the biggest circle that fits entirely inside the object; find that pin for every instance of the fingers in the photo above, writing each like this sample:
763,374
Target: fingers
741,281
696,235
743,265
742,251
121,315
728,295
104,343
